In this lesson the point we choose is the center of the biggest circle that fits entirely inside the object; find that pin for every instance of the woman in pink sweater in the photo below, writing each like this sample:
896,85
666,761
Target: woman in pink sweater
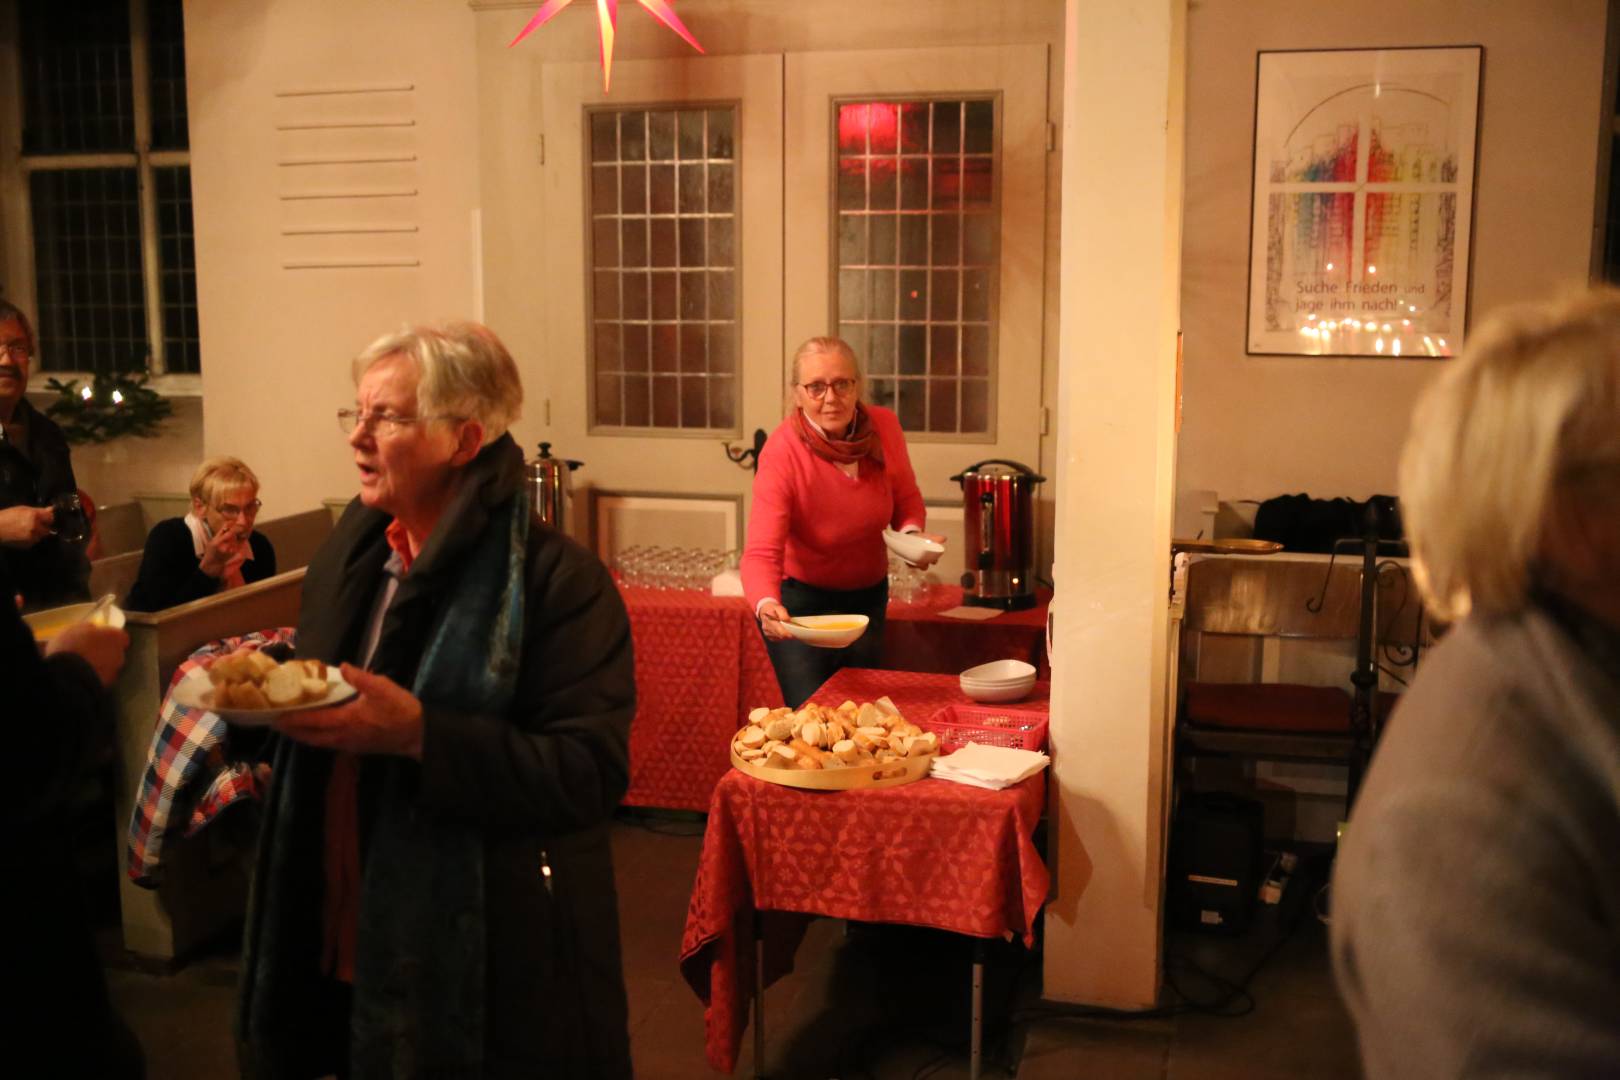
832,476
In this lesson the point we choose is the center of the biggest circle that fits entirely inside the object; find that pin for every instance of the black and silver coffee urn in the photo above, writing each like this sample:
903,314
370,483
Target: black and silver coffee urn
998,509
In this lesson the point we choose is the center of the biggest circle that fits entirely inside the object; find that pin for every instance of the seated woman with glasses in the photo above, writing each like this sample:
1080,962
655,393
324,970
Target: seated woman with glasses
832,476
212,548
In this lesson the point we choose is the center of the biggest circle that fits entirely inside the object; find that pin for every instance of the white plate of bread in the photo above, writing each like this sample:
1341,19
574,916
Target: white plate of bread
834,749
250,689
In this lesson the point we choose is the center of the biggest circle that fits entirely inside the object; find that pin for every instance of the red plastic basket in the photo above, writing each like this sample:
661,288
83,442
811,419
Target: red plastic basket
988,725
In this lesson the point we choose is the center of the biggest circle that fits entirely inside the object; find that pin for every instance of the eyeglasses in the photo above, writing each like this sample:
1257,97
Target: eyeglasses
382,423
18,349
818,389
232,511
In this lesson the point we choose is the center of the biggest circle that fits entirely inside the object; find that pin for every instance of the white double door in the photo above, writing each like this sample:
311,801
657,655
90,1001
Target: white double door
786,120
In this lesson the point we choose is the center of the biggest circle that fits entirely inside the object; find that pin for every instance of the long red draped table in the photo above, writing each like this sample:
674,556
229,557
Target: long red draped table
957,858
701,667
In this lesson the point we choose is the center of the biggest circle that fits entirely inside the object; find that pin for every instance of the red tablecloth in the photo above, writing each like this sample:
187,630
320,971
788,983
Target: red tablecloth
918,638
930,853
917,694
701,667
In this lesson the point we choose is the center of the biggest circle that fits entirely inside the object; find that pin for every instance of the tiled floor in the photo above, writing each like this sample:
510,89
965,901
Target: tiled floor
876,1003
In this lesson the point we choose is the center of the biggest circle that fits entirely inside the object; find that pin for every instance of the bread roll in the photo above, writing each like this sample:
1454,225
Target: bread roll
243,695
284,685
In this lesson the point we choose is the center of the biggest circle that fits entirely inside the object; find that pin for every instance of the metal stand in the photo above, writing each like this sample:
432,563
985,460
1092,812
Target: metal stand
976,1039
759,995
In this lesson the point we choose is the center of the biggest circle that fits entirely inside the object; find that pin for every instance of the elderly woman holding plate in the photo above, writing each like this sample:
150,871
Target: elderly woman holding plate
435,894
1476,896
831,478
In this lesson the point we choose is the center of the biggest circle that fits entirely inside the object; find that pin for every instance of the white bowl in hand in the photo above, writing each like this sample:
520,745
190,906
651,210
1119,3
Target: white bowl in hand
915,549
827,631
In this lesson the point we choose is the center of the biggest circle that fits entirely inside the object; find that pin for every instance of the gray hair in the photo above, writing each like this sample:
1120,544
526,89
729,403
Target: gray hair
1526,418
462,369
833,346
10,311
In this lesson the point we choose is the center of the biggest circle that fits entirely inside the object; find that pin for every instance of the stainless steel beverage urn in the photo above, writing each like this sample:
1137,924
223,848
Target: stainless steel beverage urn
549,480
998,512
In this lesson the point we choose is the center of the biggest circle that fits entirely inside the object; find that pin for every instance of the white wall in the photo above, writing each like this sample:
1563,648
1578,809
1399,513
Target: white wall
1115,463
1258,426
114,472
276,342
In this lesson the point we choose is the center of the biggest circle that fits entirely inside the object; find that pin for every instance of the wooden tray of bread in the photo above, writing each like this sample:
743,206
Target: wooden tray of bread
848,748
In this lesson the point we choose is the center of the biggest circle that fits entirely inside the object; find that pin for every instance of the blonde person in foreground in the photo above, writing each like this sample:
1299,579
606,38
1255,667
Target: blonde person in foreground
1476,900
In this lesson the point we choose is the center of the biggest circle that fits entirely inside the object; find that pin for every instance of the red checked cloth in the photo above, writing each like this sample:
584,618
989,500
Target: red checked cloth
189,779
962,860
700,668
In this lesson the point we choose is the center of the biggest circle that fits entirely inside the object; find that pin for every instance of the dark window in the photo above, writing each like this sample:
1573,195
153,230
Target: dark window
179,269
166,49
93,283
87,262
76,77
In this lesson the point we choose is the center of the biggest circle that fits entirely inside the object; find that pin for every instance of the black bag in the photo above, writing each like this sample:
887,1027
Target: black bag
1301,523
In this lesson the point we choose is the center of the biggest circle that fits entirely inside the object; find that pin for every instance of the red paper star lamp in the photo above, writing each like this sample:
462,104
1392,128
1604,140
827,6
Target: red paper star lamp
607,17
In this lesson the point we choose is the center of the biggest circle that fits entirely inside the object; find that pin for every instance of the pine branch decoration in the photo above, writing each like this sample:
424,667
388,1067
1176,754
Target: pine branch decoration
112,407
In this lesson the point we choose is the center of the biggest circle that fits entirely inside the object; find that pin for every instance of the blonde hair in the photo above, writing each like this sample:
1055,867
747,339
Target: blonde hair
832,346
217,476
462,369
1530,408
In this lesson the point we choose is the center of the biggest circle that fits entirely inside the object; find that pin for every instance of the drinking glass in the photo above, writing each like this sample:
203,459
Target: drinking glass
70,523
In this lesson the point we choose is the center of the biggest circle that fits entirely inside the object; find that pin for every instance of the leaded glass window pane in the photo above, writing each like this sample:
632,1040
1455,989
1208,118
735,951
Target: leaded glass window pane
915,236
663,284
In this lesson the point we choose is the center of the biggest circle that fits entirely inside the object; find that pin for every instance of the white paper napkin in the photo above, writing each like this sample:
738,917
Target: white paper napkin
993,767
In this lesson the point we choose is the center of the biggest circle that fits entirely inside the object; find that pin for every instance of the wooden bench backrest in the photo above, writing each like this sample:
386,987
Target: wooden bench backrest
297,537
120,528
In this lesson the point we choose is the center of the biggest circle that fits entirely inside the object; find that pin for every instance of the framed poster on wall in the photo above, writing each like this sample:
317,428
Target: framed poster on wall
1363,201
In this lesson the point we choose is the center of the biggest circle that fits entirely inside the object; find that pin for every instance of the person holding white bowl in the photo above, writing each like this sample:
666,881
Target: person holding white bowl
832,476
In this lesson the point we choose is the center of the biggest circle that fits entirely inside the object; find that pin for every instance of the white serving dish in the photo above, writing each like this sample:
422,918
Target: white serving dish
998,681
48,623
195,691
999,671
827,631
1002,692
915,549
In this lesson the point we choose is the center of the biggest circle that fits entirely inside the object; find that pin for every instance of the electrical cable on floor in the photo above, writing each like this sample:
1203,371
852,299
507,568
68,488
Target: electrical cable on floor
1233,1001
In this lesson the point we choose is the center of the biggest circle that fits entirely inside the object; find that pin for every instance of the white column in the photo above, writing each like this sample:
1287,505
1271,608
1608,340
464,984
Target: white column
1122,136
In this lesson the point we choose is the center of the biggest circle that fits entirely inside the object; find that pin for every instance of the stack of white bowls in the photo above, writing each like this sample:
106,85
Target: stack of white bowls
1000,680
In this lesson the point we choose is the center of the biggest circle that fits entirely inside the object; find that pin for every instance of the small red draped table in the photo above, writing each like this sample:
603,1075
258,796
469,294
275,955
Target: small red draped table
930,853
701,667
